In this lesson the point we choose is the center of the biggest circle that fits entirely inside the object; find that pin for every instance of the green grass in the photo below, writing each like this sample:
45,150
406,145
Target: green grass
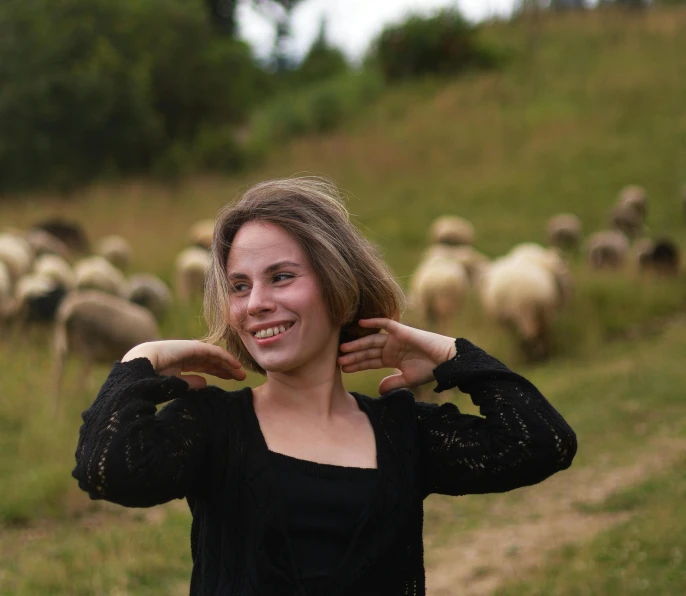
587,104
644,555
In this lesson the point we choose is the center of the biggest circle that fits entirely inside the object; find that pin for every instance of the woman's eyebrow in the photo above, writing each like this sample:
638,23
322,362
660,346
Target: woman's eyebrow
280,265
271,269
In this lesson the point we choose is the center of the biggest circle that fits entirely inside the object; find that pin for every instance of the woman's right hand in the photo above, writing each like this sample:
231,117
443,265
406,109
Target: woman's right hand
176,356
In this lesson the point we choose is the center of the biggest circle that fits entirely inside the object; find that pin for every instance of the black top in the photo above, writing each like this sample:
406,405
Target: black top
206,446
323,505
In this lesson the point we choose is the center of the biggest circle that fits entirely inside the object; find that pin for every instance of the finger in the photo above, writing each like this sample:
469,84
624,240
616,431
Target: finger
379,323
396,381
194,381
376,340
364,365
208,363
359,356
203,351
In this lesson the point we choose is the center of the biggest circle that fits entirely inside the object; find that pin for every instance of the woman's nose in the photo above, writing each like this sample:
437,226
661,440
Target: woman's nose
260,300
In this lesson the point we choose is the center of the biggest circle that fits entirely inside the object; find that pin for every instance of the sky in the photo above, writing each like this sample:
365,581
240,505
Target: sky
351,24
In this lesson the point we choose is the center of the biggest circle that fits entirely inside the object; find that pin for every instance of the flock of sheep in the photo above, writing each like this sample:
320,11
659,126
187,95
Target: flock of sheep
49,273
526,288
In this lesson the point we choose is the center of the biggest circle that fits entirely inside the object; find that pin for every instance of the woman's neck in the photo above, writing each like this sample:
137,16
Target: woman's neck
317,395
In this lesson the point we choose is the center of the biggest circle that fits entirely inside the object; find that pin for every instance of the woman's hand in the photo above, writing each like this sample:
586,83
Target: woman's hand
174,357
414,352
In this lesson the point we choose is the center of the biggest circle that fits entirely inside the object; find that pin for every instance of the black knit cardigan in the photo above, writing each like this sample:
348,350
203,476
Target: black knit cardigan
206,446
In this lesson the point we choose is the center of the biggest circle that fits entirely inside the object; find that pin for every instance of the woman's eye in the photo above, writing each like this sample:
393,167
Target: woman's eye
283,276
239,287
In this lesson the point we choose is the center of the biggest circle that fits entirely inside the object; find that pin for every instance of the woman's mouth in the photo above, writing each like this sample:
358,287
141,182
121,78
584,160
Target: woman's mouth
272,332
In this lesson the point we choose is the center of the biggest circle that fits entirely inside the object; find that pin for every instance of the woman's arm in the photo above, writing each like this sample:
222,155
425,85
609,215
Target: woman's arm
129,453
521,440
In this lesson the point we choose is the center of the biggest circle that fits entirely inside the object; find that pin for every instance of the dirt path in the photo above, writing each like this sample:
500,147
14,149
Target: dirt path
478,562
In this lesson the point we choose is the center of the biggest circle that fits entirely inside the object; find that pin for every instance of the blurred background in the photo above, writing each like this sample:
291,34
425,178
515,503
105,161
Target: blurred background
520,165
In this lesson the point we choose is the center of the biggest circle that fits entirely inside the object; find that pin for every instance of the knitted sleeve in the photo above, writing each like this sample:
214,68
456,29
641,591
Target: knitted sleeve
129,453
519,440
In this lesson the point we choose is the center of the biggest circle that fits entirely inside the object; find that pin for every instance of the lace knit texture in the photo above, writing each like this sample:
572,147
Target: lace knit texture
206,446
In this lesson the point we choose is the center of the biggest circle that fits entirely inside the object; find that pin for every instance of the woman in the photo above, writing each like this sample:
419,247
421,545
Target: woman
298,486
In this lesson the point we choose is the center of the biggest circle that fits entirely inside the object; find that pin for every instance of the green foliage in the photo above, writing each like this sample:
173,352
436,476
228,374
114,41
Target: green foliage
313,109
322,61
108,88
442,44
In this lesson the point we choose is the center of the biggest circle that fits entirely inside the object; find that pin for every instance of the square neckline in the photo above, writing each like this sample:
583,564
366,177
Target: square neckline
263,441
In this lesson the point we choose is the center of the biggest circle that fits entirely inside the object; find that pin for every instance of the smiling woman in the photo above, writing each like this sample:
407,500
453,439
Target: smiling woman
297,486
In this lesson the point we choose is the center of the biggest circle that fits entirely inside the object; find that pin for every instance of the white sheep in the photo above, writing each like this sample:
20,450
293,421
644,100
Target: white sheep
116,249
99,328
551,260
627,219
467,256
201,233
36,298
56,268
151,292
524,297
452,230
564,231
97,273
607,249
17,255
191,267
635,197
439,290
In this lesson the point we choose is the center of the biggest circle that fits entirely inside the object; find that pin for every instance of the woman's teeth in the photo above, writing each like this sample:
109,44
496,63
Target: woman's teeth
262,333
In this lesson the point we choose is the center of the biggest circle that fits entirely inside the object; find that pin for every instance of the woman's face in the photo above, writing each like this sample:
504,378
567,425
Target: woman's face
276,301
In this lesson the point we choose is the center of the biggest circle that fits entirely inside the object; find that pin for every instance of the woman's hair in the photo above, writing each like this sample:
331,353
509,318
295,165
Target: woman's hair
355,281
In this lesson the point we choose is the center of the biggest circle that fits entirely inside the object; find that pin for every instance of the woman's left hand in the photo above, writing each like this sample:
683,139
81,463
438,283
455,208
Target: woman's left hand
413,352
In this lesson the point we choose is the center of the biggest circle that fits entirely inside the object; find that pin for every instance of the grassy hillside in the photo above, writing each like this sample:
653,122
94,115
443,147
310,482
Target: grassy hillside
588,104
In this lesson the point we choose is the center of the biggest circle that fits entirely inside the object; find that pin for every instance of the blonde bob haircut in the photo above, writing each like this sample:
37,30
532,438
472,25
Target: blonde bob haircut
355,281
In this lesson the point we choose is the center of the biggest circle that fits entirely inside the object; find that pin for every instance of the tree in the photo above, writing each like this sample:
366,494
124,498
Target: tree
322,60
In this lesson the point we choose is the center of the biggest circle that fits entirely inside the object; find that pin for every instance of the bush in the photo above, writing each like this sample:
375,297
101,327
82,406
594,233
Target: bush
442,44
313,109
92,88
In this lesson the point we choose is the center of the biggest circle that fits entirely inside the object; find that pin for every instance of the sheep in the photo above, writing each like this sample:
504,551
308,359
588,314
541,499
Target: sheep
451,230
467,256
439,290
564,231
524,297
551,260
56,268
191,266
6,298
607,249
70,233
641,251
17,255
201,233
636,198
116,249
98,273
627,219
37,298
660,257
44,243
99,328
151,292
